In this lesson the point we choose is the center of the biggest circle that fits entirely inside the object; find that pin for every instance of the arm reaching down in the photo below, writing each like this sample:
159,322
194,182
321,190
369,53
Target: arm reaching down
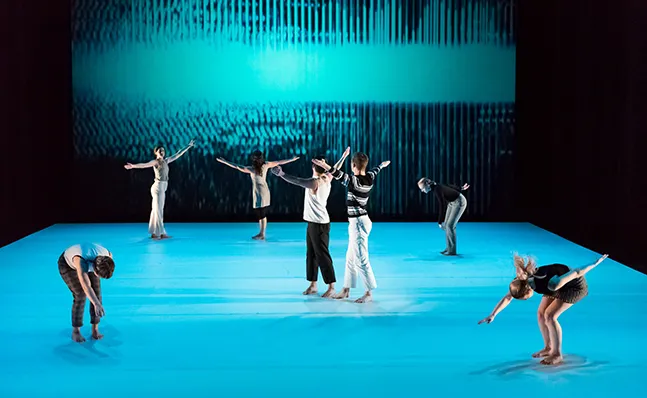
499,307
87,287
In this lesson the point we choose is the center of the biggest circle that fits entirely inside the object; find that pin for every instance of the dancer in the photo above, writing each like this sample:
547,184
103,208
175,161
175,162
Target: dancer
158,189
260,192
561,286
359,186
82,267
452,205
317,190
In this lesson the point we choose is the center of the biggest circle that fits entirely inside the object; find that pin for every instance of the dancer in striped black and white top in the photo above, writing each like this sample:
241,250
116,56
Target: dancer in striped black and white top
360,185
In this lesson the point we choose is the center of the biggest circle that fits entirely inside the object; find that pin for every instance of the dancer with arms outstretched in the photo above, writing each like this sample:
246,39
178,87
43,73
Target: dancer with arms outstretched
158,189
317,190
260,191
359,185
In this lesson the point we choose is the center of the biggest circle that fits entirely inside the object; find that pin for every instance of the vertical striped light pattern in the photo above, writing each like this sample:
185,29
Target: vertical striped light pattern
450,141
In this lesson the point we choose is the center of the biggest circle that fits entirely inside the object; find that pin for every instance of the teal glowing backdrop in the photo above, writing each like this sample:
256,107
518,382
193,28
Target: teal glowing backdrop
428,84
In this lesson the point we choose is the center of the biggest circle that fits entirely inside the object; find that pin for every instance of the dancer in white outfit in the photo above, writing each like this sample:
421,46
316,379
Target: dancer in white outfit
317,191
359,186
260,191
158,189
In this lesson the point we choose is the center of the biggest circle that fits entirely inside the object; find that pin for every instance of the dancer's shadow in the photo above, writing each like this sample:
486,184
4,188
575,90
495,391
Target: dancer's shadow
573,364
435,258
91,351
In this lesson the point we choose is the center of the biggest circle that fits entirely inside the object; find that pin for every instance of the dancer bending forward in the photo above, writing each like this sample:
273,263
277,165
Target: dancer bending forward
260,191
82,267
452,205
317,191
158,189
359,186
561,286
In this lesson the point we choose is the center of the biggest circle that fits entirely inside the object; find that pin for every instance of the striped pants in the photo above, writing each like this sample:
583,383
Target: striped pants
71,279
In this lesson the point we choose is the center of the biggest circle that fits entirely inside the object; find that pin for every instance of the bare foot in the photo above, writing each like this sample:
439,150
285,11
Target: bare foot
258,237
154,236
345,293
552,360
165,236
541,354
96,335
310,290
76,336
366,298
329,293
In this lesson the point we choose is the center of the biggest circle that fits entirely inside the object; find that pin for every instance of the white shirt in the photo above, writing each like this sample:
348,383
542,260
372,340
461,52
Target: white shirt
88,253
314,204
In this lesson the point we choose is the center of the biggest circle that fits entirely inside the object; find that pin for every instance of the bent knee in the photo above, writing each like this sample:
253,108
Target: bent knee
551,316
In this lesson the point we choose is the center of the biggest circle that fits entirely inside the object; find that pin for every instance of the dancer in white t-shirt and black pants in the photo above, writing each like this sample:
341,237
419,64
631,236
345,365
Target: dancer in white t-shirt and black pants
317,191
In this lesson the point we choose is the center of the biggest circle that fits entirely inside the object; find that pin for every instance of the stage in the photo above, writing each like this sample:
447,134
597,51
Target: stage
211,313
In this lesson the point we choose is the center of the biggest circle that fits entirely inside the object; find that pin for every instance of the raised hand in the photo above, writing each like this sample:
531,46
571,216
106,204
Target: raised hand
321,163
192,143
346,152
385,163
278,171
604,257
128,166
465,187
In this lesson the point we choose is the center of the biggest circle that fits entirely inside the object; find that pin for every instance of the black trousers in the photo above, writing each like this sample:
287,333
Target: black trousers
318,255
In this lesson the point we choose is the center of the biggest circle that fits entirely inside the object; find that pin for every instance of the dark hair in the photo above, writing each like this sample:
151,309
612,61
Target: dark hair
258,160
360,160
317,168
519,288
104,266
157,148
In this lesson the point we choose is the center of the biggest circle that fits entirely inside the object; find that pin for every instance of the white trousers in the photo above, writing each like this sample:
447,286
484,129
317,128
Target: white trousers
357,261
156,222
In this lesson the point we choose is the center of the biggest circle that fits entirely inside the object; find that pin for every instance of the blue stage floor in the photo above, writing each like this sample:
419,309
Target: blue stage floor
211,313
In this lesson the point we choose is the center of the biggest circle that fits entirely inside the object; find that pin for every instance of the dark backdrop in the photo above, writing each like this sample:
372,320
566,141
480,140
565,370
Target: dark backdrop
582,117
35,95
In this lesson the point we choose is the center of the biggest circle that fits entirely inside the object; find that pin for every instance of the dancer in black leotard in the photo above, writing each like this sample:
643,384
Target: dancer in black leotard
561,286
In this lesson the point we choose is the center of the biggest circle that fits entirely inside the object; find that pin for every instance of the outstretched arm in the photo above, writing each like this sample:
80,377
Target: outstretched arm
281,162
557,282
307,183
376,170
181,152
238,167
146,165
499,307
341,160
336,173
